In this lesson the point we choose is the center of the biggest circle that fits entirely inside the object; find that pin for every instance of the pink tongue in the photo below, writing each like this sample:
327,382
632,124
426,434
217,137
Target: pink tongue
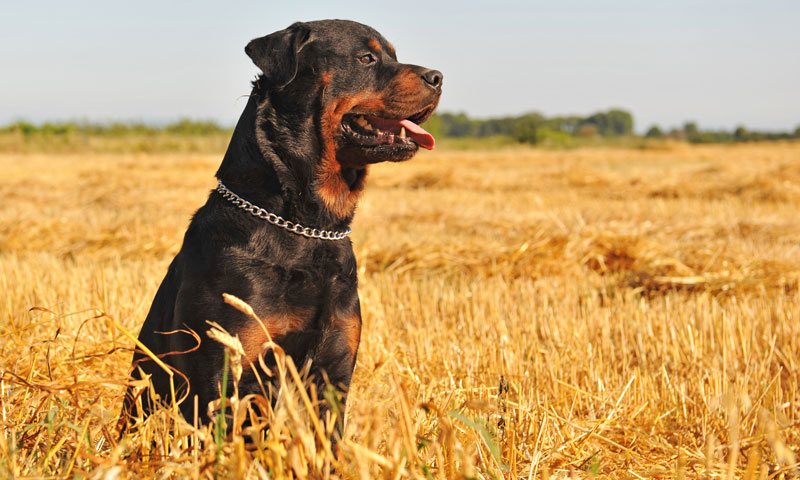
423,138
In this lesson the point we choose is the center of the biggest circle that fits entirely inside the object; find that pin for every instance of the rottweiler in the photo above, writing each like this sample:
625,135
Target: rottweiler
332,100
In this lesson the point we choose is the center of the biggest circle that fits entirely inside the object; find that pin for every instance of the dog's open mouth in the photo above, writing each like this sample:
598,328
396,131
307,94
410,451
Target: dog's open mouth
370,130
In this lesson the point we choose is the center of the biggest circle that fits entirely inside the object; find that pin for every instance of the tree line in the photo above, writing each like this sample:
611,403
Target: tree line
183,127
693,134
532,128
535,128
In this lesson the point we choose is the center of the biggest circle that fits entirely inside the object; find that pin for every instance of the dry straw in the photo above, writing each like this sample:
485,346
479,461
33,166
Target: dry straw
641,307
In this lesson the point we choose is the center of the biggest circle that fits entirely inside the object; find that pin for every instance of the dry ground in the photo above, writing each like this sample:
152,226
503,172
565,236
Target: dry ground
528,314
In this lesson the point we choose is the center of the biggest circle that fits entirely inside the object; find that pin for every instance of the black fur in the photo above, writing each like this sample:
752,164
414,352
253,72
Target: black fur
287,154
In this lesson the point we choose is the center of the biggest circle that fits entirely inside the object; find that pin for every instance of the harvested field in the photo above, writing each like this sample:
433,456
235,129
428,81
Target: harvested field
611,313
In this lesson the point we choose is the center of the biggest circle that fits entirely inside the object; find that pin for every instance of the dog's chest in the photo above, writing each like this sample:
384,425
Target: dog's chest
301,278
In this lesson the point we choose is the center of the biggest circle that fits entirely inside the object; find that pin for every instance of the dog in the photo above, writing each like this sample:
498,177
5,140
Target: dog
332,99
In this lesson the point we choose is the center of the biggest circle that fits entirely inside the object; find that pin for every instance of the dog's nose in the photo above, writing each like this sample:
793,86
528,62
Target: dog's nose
433,78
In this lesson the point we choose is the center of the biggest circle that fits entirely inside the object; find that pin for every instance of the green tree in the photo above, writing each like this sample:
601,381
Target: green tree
690,130
567,124
620,122
23,127
597,120
496,126
526,128
654,132
458,125
612,123
741,134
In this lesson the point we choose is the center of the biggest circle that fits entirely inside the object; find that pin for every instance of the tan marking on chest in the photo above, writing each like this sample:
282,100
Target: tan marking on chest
338,197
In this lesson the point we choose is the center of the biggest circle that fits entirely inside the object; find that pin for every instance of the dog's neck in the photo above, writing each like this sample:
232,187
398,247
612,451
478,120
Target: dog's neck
260,166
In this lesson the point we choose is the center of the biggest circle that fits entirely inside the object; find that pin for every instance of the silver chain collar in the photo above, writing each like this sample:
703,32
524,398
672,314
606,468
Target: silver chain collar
277,220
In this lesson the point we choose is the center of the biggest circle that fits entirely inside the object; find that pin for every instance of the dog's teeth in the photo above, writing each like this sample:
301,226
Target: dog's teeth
402,132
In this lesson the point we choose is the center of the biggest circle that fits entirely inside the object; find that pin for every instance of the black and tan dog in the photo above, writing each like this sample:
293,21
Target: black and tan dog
332,100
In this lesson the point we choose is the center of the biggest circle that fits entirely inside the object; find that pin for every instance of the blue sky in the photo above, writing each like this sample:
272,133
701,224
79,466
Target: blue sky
720,63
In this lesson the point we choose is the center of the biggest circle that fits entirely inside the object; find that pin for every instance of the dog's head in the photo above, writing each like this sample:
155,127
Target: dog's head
372,104
365,106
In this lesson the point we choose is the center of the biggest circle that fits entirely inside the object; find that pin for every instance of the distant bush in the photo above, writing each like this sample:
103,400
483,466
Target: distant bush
690,130
457,125
533,127
116,129
586,131
21,127
189,127
613,123
554,138
654,132
710,136
183,136
741,134
525,129
614,126
693,134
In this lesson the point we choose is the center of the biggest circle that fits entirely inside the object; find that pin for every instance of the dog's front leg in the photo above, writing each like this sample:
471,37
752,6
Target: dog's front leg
332,367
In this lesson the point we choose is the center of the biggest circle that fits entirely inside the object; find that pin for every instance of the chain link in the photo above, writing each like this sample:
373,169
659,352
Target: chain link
277,220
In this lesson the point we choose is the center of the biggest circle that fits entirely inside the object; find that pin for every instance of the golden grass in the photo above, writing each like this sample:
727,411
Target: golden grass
528,314
76,142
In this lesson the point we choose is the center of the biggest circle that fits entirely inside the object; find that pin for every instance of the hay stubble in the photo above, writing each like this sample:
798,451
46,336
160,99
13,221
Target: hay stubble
641,307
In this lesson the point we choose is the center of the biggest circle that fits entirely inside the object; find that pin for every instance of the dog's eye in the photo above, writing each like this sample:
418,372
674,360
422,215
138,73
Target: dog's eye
367,59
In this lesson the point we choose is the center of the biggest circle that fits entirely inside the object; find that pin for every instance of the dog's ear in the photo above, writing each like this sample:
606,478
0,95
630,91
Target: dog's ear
276,54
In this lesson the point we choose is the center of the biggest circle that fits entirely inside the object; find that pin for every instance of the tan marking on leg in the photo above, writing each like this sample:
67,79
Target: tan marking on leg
349,329
253,337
